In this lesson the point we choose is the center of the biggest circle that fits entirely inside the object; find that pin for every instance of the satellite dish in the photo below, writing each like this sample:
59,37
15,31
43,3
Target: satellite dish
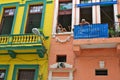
36,31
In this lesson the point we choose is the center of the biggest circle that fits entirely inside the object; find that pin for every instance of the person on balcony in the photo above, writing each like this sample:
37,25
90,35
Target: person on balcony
60,29
84,22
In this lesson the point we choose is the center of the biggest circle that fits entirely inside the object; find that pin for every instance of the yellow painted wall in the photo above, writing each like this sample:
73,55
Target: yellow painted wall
29,58
18,20
25,59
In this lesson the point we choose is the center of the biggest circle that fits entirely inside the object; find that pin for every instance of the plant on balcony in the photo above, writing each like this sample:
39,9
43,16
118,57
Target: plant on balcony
112,32
118,16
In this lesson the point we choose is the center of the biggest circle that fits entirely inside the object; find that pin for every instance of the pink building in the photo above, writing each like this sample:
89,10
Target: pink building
85,52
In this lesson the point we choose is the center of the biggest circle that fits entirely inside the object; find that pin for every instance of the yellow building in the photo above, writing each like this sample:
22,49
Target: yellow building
23,53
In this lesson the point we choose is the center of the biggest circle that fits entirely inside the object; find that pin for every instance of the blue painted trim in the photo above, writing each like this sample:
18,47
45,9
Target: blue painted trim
6,67
17,67
24,20
16,4
97,3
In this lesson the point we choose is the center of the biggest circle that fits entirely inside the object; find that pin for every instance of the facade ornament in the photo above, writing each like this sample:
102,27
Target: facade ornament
63,41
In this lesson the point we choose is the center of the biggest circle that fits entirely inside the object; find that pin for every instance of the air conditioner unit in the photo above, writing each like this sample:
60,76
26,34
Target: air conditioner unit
61,65
2,75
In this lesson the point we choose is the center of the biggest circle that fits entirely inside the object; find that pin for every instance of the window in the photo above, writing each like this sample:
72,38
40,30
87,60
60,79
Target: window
85,1
34,17
2,74
103,72
86,13
64,16
26,74
61,58
7,20
107,15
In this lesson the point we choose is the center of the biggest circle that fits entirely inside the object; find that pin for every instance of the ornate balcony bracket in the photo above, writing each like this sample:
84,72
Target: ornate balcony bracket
41,52
77,50
12,53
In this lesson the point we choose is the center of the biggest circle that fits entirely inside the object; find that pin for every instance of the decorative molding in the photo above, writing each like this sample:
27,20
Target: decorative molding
63,41
54,68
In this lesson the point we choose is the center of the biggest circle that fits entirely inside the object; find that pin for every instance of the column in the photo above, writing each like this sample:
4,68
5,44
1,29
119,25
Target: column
70,75
115,17
50,75
77,13
73,14
56,5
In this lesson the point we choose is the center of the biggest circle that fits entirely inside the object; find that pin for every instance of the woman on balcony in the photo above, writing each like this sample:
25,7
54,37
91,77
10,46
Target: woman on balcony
60,29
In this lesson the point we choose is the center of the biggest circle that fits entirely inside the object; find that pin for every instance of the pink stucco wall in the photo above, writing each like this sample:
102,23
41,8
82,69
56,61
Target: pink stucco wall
87,62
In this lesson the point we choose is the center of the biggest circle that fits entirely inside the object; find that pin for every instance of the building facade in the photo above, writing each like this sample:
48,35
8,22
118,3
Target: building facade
25,31
85,52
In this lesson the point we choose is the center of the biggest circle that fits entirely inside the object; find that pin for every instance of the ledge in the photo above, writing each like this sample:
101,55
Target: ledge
62,69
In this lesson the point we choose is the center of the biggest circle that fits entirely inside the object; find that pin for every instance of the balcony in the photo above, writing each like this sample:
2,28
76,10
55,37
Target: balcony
94,36
22,43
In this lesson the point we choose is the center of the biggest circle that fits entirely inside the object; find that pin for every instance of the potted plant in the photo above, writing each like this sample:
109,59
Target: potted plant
118,15
111,32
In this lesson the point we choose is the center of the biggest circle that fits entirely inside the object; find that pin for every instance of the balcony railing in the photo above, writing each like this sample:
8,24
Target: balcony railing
19,39
14,43
91,31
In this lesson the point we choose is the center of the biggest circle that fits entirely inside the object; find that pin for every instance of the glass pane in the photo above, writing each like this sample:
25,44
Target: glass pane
2,74
65,6
34,21
9,12
26,74
36,9
85,1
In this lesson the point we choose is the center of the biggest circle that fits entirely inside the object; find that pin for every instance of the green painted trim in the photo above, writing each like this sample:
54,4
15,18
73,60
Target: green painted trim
41,52
0,9
12,53
49,2
15,4
43,15
20,47
17,67
6,67
21,4
25,14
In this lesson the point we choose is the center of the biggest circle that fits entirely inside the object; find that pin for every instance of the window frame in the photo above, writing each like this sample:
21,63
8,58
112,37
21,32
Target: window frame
26,12
5,67
64,11
27,20
4,15
17,67
9,5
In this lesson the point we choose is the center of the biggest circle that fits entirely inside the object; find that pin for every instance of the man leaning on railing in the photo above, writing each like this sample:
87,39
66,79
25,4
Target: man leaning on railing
83,22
